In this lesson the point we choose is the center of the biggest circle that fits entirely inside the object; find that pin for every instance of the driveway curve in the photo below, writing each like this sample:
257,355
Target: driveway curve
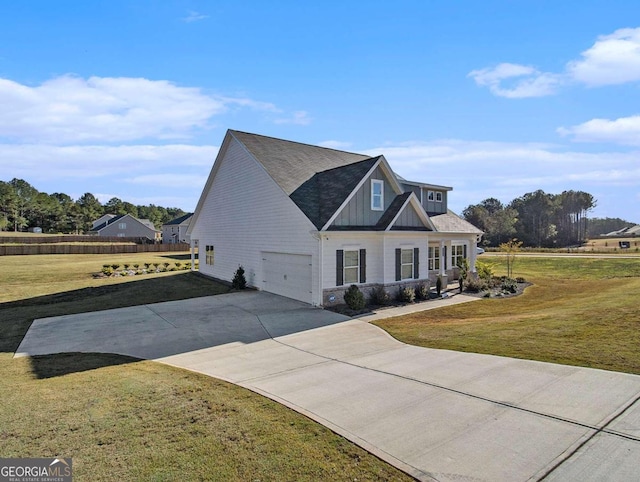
437,414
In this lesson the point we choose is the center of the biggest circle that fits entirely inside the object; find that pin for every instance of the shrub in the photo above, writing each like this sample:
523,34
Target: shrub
439,285
178,264
126,265
239,282
147,265
187,265
107,270
509,285
354,298
379,296
166,265
484,270
136,266
422,291
406,294
115,266
155,265
476,285
106,266
520,279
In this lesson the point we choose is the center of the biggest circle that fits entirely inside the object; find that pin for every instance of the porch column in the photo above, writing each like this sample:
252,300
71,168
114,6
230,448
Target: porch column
193,254
442,258
449,254
473,254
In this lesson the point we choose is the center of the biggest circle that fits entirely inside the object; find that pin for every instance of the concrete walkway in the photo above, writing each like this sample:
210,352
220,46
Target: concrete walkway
437,414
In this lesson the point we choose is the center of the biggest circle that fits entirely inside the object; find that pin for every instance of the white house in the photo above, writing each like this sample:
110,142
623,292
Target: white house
175,231
306,221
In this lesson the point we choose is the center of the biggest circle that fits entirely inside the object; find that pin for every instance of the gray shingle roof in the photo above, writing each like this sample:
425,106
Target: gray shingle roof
179,220
108,222
290,163
450,222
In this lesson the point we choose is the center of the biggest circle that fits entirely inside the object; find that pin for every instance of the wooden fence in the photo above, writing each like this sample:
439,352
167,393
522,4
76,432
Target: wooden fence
71,239
28,249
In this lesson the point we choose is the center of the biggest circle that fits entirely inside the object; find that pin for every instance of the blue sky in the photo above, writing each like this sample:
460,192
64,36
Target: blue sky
495,98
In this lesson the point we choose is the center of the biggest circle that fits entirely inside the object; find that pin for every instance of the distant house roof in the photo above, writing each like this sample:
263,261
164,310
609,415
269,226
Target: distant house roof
108,222
117,218
179,220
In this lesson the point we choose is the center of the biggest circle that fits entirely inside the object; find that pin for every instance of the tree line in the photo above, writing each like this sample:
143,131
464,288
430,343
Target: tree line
537,219
22,206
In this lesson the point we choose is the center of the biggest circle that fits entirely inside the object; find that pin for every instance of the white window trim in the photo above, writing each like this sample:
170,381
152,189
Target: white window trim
455,255
377,182
209,254
438,197
345,267
434,262
122,225
430,196
402,265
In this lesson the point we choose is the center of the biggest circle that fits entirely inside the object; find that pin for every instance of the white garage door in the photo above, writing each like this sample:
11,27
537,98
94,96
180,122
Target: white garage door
287,275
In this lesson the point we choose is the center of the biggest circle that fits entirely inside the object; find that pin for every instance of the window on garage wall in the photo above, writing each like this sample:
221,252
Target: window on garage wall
407,263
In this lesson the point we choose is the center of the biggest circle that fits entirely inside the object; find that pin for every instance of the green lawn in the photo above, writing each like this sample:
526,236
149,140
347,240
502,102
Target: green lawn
125,419
579,311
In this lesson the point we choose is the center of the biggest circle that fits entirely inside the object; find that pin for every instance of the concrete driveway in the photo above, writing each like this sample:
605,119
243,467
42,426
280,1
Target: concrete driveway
437,414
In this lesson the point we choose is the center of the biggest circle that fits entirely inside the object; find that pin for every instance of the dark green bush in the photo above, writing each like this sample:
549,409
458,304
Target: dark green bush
115,266
439,285
354,298
520,279
239,282
379,296
107,270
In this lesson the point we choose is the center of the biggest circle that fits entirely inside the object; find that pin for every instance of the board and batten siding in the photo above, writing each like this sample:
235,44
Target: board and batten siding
244,214
433,206
408,218
358,211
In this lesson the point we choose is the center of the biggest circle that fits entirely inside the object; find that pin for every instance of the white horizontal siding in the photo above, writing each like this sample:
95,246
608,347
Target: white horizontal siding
245,213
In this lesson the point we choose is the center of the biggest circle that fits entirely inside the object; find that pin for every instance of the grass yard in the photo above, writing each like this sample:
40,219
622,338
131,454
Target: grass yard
126,419
580,311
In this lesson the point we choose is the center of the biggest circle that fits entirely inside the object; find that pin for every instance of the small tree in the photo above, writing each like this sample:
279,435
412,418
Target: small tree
354,298
439,285
511,248
239,282
463,264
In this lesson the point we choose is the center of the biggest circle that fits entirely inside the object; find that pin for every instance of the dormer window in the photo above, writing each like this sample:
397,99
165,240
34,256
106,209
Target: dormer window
430,196
438,197
377,195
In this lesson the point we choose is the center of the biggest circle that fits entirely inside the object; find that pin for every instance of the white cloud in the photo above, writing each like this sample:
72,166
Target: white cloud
299,117
525,80
194,17
332,144
47,162
613,59
171,180
624,130
478,170
68,109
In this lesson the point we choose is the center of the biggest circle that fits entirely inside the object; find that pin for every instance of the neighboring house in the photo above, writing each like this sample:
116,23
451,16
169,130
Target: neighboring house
306,221
101,220
127,226
175,231
628,231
